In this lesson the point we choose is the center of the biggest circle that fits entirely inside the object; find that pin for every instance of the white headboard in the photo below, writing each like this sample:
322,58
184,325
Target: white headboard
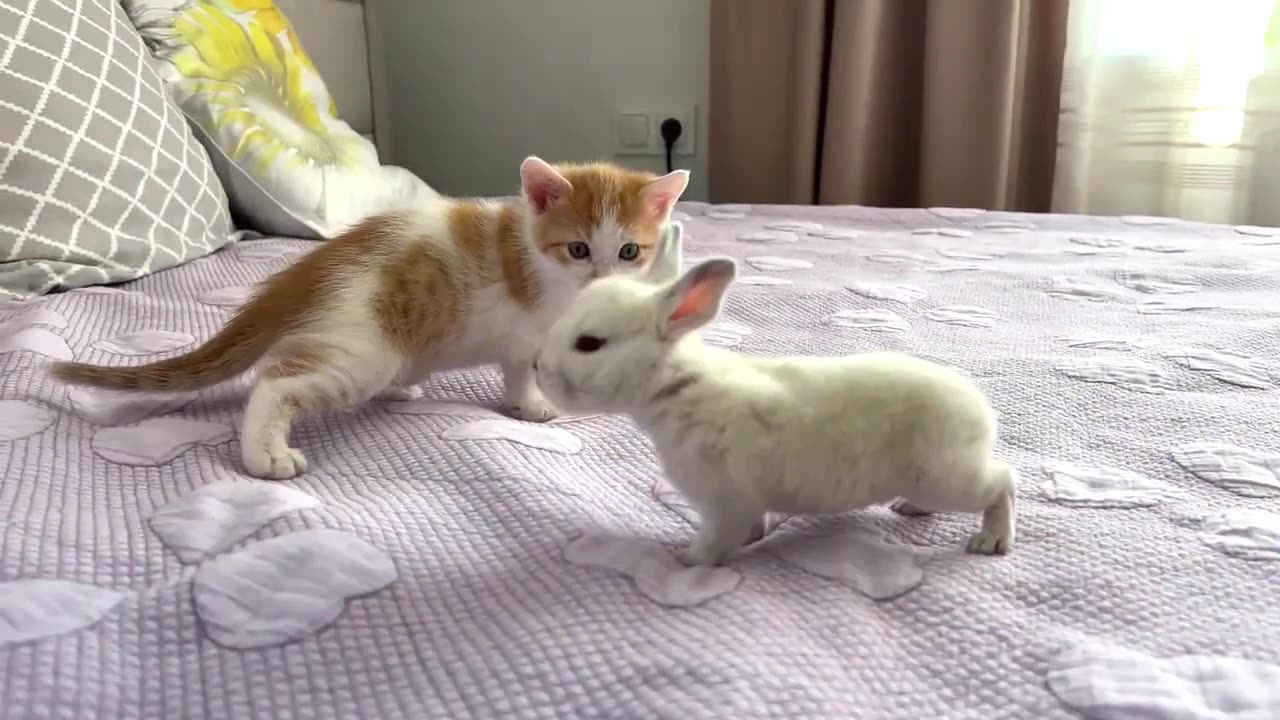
338,34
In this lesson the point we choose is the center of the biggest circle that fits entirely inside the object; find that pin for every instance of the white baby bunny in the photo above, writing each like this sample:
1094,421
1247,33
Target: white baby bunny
741,436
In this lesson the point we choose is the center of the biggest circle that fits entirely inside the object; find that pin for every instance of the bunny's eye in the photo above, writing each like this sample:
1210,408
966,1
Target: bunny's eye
588,343
578,249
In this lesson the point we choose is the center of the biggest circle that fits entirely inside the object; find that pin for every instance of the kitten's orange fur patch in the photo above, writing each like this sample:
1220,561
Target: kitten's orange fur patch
420,296
469,226
517,274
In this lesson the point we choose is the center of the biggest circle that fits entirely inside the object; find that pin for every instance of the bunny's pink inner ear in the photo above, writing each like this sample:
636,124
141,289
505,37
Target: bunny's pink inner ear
694,300
662,193
700,301
542,184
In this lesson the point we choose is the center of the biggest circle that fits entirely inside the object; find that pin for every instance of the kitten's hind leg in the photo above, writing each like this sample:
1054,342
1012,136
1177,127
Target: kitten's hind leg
400,393
406,386
264,433
288,391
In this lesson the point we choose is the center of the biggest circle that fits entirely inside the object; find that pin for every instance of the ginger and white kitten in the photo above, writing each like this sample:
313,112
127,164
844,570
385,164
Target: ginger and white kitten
453,284
743,436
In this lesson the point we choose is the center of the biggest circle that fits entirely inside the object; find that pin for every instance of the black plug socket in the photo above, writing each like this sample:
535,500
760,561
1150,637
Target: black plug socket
671,130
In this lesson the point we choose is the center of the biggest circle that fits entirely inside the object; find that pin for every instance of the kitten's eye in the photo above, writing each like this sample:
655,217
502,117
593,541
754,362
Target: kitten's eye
588,343
629,251
579,250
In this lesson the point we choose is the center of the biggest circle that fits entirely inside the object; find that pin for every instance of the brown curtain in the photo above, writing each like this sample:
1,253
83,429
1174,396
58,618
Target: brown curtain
891,103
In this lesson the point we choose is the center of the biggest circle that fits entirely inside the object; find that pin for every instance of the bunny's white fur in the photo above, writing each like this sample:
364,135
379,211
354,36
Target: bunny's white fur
742,436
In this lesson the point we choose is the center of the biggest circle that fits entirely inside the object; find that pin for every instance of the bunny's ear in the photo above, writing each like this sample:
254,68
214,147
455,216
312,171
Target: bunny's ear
668,260
695,299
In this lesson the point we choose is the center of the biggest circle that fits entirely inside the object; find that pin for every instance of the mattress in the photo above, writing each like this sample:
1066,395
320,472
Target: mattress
442,561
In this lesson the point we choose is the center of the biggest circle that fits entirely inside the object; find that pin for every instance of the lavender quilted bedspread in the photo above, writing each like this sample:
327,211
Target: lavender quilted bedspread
442,561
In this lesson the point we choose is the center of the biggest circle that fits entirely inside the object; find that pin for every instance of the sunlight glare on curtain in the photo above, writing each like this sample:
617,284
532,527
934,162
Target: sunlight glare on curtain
1172,107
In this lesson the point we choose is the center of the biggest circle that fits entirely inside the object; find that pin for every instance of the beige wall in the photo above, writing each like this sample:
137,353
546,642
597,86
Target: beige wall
476,85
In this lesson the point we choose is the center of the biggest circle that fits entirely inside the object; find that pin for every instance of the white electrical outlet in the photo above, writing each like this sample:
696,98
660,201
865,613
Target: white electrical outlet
631,124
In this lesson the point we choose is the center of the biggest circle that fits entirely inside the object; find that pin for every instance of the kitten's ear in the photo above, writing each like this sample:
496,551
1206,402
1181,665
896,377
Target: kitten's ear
541,184
661,194
669,258
695,299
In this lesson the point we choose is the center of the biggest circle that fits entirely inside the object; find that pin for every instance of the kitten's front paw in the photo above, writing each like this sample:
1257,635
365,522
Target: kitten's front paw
398,393
533,410
988,542
275,466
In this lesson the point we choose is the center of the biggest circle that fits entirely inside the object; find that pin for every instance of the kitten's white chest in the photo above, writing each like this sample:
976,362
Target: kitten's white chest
495,329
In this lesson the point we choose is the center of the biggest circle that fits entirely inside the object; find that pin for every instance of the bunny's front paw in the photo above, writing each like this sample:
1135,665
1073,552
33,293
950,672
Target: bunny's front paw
694,556
905,507
990,542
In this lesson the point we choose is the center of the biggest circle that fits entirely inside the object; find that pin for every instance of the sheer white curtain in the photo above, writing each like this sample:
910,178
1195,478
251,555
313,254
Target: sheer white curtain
1171,107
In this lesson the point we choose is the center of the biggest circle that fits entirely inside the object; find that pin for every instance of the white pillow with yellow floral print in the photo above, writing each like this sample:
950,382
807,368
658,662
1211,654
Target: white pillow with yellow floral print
290,165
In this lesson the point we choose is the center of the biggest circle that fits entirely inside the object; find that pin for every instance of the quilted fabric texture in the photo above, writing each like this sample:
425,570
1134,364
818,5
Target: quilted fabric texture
441,560
291,165
100,177
1109,683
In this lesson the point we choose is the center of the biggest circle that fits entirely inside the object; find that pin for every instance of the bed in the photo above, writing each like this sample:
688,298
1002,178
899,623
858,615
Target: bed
440,560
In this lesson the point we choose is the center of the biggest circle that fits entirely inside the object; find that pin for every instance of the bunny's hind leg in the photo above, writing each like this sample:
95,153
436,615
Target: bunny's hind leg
999,519
989,487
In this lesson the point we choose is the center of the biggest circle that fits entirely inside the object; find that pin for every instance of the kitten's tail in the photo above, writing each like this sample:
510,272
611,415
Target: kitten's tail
282,305
235,349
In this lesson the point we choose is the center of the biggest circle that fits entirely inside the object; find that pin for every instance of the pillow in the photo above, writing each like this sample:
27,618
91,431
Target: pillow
290,165
101,180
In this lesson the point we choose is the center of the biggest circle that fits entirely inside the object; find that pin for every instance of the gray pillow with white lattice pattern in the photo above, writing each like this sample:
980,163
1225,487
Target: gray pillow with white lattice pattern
101,179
